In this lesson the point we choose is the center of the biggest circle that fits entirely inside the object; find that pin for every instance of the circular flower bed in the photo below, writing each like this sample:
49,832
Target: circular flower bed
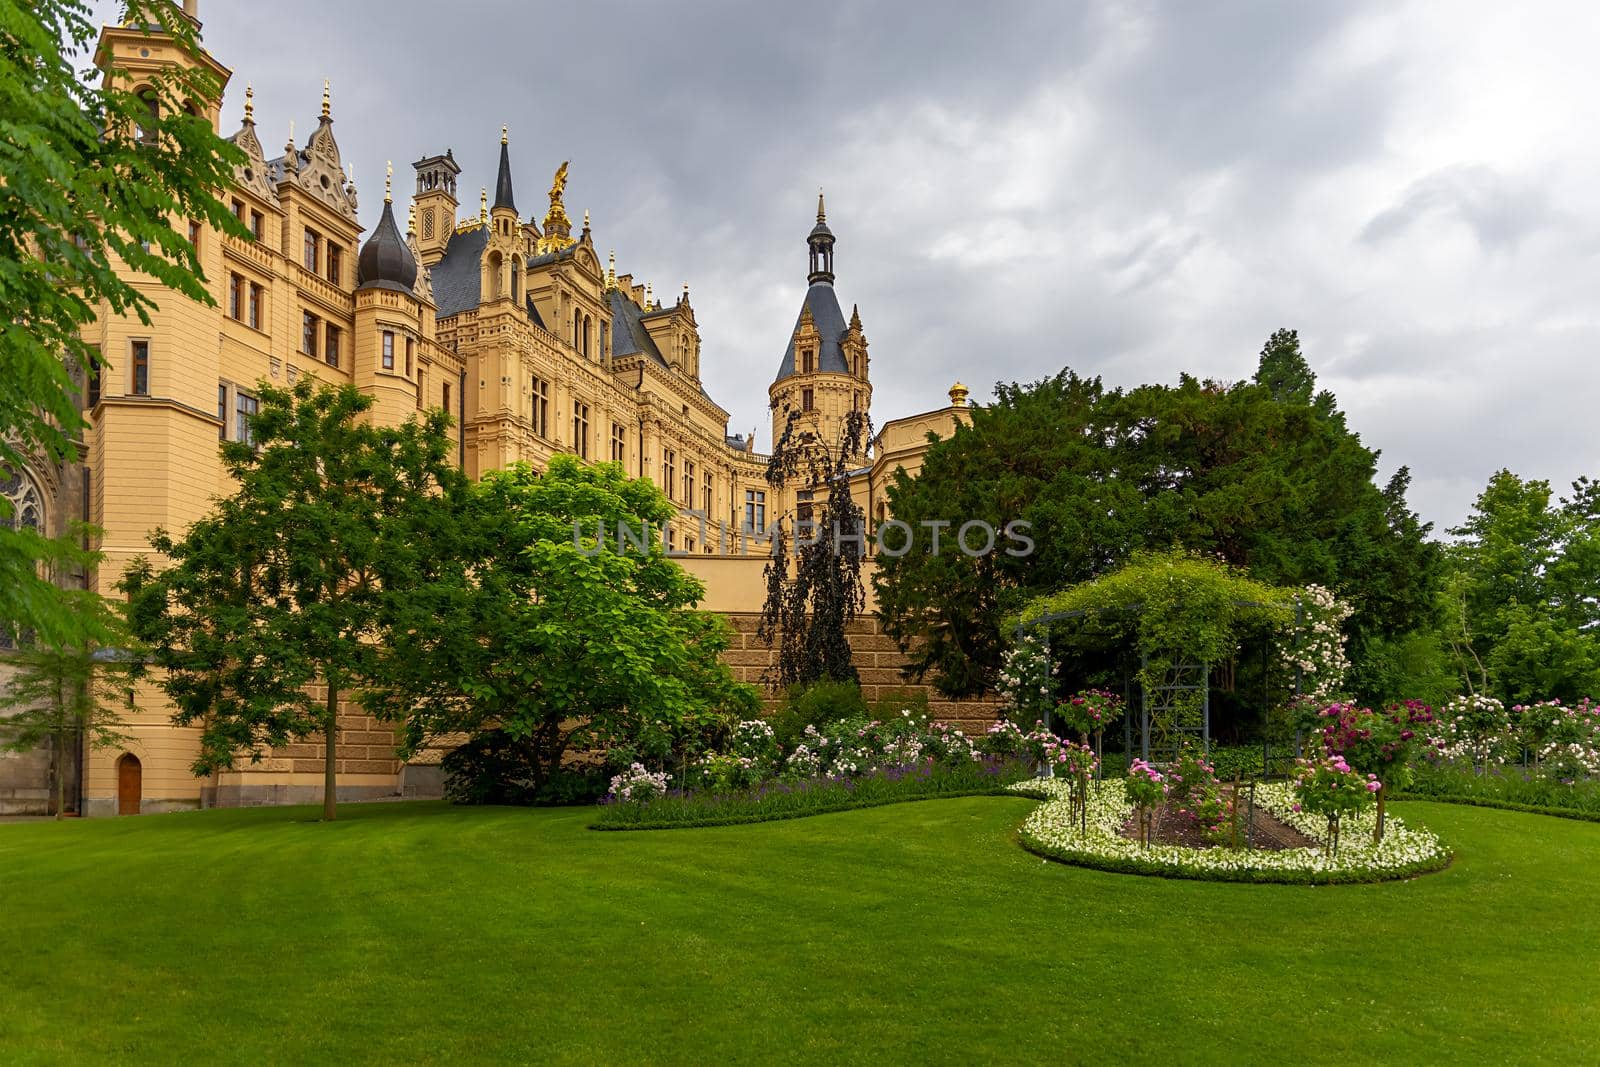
1056,831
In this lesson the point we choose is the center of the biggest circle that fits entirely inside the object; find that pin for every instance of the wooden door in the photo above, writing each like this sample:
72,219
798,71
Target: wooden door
130,783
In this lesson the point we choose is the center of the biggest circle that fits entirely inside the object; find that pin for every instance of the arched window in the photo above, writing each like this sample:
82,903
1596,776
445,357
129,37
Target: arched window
588,328
24,504
145,131
516,281
498,285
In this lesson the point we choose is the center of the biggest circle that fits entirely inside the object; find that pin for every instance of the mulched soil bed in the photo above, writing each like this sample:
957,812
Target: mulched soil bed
1171,827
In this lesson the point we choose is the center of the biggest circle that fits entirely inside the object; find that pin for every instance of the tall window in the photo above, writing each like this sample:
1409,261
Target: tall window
308,333
541,407
237,207
808,400
258,225
313,243
335,264
706,502
411,346
446,399
330,348
605,338
388,350
255,306
141,368
669,472
222,411
808,362
755,510
580,429
235,296
688,483
94,378
245,407
619,442
194,235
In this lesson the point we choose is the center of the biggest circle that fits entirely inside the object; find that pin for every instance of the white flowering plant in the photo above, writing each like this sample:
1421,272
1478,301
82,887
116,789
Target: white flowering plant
637,785
1311,651
1474,728
1024,680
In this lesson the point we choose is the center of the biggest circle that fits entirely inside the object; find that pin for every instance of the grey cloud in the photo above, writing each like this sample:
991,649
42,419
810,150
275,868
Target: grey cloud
1499,211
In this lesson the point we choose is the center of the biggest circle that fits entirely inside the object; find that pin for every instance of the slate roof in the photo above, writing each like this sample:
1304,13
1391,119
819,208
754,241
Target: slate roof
503,195
385,261
628,335
457,278
831,327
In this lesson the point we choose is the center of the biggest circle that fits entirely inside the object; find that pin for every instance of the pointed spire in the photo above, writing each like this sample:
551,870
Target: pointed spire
504,133
855,317
585,220
822,213
483,204
503,195
388,181
249,104
327,111
611,270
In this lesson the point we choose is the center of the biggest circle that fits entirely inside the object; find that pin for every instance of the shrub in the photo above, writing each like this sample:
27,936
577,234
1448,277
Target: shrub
818,704
892,702
1090,712
1332,788
637,785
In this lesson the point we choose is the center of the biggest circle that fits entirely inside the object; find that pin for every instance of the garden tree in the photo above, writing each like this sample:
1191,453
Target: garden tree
556,625
810,604
1040,454
1519,606
278,590
1284,371
60,693
1274,482
91,181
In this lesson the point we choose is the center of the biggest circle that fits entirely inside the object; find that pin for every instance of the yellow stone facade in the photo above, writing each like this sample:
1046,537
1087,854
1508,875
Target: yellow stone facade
518,328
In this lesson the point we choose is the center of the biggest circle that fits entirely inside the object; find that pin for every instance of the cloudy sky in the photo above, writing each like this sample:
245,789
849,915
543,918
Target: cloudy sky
1130,188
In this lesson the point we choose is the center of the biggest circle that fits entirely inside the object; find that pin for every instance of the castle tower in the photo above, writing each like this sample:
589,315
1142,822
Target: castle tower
824,375
502,258
388,320
436,204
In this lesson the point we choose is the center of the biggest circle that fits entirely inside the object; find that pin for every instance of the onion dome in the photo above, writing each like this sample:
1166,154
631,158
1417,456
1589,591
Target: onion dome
386,262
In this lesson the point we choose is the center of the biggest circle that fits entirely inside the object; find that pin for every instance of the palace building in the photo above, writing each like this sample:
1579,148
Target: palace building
517,327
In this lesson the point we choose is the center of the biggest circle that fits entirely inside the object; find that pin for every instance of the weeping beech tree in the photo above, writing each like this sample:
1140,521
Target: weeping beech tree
810,604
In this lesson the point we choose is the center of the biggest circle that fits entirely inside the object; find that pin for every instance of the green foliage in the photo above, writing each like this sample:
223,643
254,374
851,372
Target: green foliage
775,801
555,642
282,586
1510,788
1175,608
1261,475
493,768
80,196
892,701
1519,610
60,693
819,704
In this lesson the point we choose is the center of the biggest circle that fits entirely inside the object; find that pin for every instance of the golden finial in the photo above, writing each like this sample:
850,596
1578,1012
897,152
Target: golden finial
483,204
388,181
326,110
586,218
611,270
649,296
822,215
958,395
411,220
249,103
504,133
685,292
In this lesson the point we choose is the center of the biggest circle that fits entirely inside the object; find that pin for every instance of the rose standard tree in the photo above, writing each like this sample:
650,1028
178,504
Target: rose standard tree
279,589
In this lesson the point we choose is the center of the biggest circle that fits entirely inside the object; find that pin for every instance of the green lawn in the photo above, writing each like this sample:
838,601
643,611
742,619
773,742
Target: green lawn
915,932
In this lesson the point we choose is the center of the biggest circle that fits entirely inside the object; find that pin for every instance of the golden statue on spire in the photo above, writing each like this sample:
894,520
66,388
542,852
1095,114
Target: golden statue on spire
557,227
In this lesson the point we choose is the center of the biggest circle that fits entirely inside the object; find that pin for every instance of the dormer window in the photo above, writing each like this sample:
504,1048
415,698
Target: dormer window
808,362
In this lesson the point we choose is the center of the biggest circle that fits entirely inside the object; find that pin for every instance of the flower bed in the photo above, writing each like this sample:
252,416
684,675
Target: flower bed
774,800
1053,831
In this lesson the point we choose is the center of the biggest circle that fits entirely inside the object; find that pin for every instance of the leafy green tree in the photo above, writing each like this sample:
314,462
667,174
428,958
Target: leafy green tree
280,588
556,626
809,606
59,693
1042,455
1283,371
91,187
1262,475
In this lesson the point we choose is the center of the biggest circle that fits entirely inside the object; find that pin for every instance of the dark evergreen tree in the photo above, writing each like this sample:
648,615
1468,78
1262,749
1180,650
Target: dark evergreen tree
812,600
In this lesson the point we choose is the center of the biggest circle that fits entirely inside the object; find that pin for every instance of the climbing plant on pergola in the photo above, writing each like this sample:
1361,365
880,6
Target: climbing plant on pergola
1182,613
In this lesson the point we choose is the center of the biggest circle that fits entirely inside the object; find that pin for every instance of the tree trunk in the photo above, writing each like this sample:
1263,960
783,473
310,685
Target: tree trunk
60,755
330,776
